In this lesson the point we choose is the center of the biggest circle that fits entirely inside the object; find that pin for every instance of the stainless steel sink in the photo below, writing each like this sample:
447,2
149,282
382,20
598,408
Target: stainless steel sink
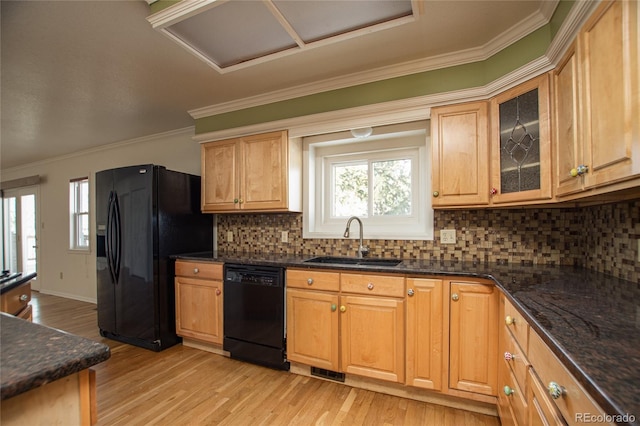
365,261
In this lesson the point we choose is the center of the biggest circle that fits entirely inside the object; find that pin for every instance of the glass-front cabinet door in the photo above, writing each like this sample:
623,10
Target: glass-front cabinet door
521,143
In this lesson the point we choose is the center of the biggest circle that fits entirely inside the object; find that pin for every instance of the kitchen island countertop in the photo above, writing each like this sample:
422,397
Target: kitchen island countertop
590,320
33,355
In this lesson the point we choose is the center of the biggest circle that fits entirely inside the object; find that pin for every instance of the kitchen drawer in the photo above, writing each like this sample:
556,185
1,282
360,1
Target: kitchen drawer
514,396
16,299
204,270
542,411
378,285
26,313
547,366
515,359
313,280
516,324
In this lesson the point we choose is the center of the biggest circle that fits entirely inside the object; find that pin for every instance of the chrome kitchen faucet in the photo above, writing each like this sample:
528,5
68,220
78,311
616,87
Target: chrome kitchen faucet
362,250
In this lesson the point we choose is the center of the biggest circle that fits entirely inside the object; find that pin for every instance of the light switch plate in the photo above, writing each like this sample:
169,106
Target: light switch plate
284,236
448,236
229,236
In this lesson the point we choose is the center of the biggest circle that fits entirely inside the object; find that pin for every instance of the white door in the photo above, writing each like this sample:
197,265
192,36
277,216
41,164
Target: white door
20,248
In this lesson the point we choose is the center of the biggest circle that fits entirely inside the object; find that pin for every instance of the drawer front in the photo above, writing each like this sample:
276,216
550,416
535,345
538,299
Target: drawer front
514,396
204,270
541,410
515,359
16,299
379,285
548,367
313,280
516,324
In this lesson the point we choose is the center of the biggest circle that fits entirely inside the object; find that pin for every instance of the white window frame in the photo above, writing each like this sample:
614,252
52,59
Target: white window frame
75,213
410,140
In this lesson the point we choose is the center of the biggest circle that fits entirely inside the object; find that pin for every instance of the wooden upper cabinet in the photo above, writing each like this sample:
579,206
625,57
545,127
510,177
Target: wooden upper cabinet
608,46
460,155
252,173
521,143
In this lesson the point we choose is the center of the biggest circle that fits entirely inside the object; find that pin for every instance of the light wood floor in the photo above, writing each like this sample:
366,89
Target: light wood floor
186,386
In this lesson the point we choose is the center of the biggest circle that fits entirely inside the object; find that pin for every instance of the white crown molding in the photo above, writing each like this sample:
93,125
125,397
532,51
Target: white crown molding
569,29
515,33
181,11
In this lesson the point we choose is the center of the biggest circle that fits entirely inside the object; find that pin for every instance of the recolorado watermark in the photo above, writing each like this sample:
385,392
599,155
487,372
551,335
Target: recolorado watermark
605,418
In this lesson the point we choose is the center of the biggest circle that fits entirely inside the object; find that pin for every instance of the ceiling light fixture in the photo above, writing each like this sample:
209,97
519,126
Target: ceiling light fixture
362,132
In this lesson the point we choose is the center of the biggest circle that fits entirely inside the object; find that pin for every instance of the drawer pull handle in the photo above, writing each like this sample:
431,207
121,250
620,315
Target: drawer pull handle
333,308
555,390
309,281
196,270
508,356
24,298
508,390
343,308
455,297
370,286
410,292
509,320
218,292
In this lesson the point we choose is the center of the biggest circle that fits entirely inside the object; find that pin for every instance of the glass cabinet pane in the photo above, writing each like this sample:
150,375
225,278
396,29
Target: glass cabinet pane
520,143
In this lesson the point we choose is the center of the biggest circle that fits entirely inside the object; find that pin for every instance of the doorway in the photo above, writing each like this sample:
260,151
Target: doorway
20,248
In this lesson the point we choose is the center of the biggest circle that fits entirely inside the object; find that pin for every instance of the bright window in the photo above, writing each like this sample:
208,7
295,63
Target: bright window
79,214
382,179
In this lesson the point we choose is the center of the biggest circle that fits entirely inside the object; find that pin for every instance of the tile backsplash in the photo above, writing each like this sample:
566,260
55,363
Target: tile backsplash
603,238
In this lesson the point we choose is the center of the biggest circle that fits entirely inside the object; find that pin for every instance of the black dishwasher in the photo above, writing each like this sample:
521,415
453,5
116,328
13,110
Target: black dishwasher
254,314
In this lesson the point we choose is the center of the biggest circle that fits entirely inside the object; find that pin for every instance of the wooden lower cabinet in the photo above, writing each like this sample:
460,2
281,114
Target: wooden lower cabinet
372,337
473,337
425,333
313,328
199,301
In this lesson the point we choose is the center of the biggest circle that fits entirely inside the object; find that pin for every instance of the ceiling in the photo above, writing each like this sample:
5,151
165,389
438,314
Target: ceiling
80,74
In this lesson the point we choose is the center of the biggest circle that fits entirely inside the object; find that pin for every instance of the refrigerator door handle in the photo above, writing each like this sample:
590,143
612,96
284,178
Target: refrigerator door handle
118,242
109,237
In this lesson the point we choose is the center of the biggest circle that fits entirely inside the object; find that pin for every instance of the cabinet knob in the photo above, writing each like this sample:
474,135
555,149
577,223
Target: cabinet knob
555,390
508,356
493,191
509,320
410,292
196,270
579,171
508,390
343,308
455,297
309,281
218,292
24,297
235,201
436,193
333,308
241,201
370,286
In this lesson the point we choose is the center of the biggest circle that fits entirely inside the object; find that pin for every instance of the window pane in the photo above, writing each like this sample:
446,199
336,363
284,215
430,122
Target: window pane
84,196
392,187
350,190
83,230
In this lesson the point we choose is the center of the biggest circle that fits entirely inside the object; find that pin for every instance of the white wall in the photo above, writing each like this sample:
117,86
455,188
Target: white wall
174,150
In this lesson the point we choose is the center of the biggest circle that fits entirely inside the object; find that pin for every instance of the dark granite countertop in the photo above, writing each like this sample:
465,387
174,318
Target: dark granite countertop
591,321
15,282
32,355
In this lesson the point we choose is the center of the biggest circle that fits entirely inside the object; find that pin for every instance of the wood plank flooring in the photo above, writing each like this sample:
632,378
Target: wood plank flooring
186,386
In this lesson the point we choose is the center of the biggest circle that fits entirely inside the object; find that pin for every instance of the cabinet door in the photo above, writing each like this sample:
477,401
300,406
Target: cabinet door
372,337
521,138
609,55
460,155
473,341
312,328
424,333
220,176
199,309
264,170
568,144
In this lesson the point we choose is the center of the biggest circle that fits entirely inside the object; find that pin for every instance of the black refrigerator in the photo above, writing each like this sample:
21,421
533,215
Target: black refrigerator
144,214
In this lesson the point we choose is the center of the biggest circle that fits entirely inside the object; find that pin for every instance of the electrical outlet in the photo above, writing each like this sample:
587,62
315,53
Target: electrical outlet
229,236
284,236
448,236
